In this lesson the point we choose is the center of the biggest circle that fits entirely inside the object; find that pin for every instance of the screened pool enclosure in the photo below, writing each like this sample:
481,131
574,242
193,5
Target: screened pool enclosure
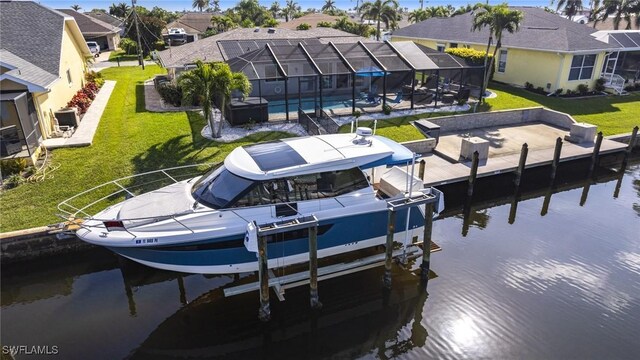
341,78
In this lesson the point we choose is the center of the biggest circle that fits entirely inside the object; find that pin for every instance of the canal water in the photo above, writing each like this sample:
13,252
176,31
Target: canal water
555,275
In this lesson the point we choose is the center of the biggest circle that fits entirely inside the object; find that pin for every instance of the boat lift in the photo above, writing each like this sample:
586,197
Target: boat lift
268,280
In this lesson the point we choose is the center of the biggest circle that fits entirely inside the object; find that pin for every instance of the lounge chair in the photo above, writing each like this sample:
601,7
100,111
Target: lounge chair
373,98
397,100
424,99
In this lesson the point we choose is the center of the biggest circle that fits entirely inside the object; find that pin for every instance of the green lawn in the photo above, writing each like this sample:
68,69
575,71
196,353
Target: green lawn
129,140
119,54
612,114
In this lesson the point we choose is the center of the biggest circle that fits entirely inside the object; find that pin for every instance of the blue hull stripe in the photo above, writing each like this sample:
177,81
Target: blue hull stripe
344,230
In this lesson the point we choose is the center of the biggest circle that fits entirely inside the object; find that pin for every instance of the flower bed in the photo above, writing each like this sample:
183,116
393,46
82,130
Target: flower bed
83,98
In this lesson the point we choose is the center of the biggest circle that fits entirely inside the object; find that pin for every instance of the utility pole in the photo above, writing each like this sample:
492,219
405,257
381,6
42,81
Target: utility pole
135,19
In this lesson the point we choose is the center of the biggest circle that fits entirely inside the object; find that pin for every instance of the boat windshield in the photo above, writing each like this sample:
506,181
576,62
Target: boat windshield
219,187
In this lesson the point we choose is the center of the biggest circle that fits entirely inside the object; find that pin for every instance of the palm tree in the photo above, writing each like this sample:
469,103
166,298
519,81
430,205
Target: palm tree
570,7
291,9
222,23
418,15
622,9
329,5
498,19
76,7
209,80
215,6
120,10
275,9
200,4
380,11
357,7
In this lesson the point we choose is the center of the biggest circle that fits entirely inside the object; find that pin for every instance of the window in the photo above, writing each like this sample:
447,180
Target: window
502,61
582,67
440,47
343,81
453,45
218,188
327,82
69,77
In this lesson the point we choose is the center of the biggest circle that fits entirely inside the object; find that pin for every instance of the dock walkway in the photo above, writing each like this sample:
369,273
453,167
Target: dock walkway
444,167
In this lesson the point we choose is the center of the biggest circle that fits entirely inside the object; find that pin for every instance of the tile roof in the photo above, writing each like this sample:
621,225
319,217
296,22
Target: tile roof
311,19
539,30
32,31
208,50
102,16
193,22
24,71
89,25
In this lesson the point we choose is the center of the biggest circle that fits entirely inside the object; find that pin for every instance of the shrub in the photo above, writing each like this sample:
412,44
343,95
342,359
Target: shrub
303,26
129,46
540,89
325,24
12,166
12,181
630,87
271,23
80,101
559,91
357,114
92,76
599,85
247,23
528,86
171,93
159,45
386,109
569,92
472,56
582,89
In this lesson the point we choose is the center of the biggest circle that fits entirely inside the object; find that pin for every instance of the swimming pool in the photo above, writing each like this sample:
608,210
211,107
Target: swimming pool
309,104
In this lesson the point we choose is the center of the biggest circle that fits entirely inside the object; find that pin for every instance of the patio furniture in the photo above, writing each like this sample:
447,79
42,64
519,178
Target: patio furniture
463,95
373,98
424,99
448,98
397,100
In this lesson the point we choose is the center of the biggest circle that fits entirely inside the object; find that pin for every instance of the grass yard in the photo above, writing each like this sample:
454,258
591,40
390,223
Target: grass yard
129,140
612,114
120,55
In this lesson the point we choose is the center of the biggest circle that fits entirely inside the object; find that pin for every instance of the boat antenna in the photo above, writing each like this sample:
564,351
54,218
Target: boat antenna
375,126
351,127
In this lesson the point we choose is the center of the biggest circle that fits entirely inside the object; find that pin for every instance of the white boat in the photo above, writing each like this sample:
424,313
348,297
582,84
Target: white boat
199,225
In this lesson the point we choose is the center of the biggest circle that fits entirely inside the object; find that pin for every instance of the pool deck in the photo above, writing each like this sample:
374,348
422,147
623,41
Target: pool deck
444,166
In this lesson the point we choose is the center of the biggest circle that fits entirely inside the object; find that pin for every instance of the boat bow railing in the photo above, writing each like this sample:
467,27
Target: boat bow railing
82,204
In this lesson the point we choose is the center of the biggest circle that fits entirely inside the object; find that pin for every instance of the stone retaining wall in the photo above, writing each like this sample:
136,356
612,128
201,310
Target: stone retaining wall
423,146
463,122
36,243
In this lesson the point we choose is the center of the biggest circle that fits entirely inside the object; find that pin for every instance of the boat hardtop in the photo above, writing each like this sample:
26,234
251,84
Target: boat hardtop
312,154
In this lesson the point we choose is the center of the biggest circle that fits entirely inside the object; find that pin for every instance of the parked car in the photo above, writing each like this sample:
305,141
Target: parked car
94,48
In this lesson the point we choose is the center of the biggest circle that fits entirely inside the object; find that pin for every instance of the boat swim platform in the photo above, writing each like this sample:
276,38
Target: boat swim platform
444,165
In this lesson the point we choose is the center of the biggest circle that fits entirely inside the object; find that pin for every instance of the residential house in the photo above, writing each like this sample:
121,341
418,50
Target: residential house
548,51
180,58
105,34
42,65
109,19
194,25
609,25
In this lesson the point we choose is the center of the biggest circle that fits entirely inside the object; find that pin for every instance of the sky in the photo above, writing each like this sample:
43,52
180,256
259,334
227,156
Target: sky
179,5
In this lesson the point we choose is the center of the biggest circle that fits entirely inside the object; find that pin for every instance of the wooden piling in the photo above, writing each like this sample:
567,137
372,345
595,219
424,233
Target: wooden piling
389,250
426,244
264,313
474,173
313,267
632,141
596,153
423,165
556,158
523,160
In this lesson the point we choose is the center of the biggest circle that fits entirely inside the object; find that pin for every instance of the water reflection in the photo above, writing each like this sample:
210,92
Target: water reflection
354,320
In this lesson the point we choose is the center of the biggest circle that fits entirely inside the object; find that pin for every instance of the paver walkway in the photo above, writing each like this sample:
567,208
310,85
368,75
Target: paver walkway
83,136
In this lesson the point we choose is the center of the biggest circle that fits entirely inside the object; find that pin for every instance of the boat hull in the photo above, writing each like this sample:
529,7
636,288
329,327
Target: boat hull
228,254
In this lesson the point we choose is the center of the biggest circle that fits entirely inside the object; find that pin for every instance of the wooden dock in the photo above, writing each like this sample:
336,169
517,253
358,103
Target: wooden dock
443,167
